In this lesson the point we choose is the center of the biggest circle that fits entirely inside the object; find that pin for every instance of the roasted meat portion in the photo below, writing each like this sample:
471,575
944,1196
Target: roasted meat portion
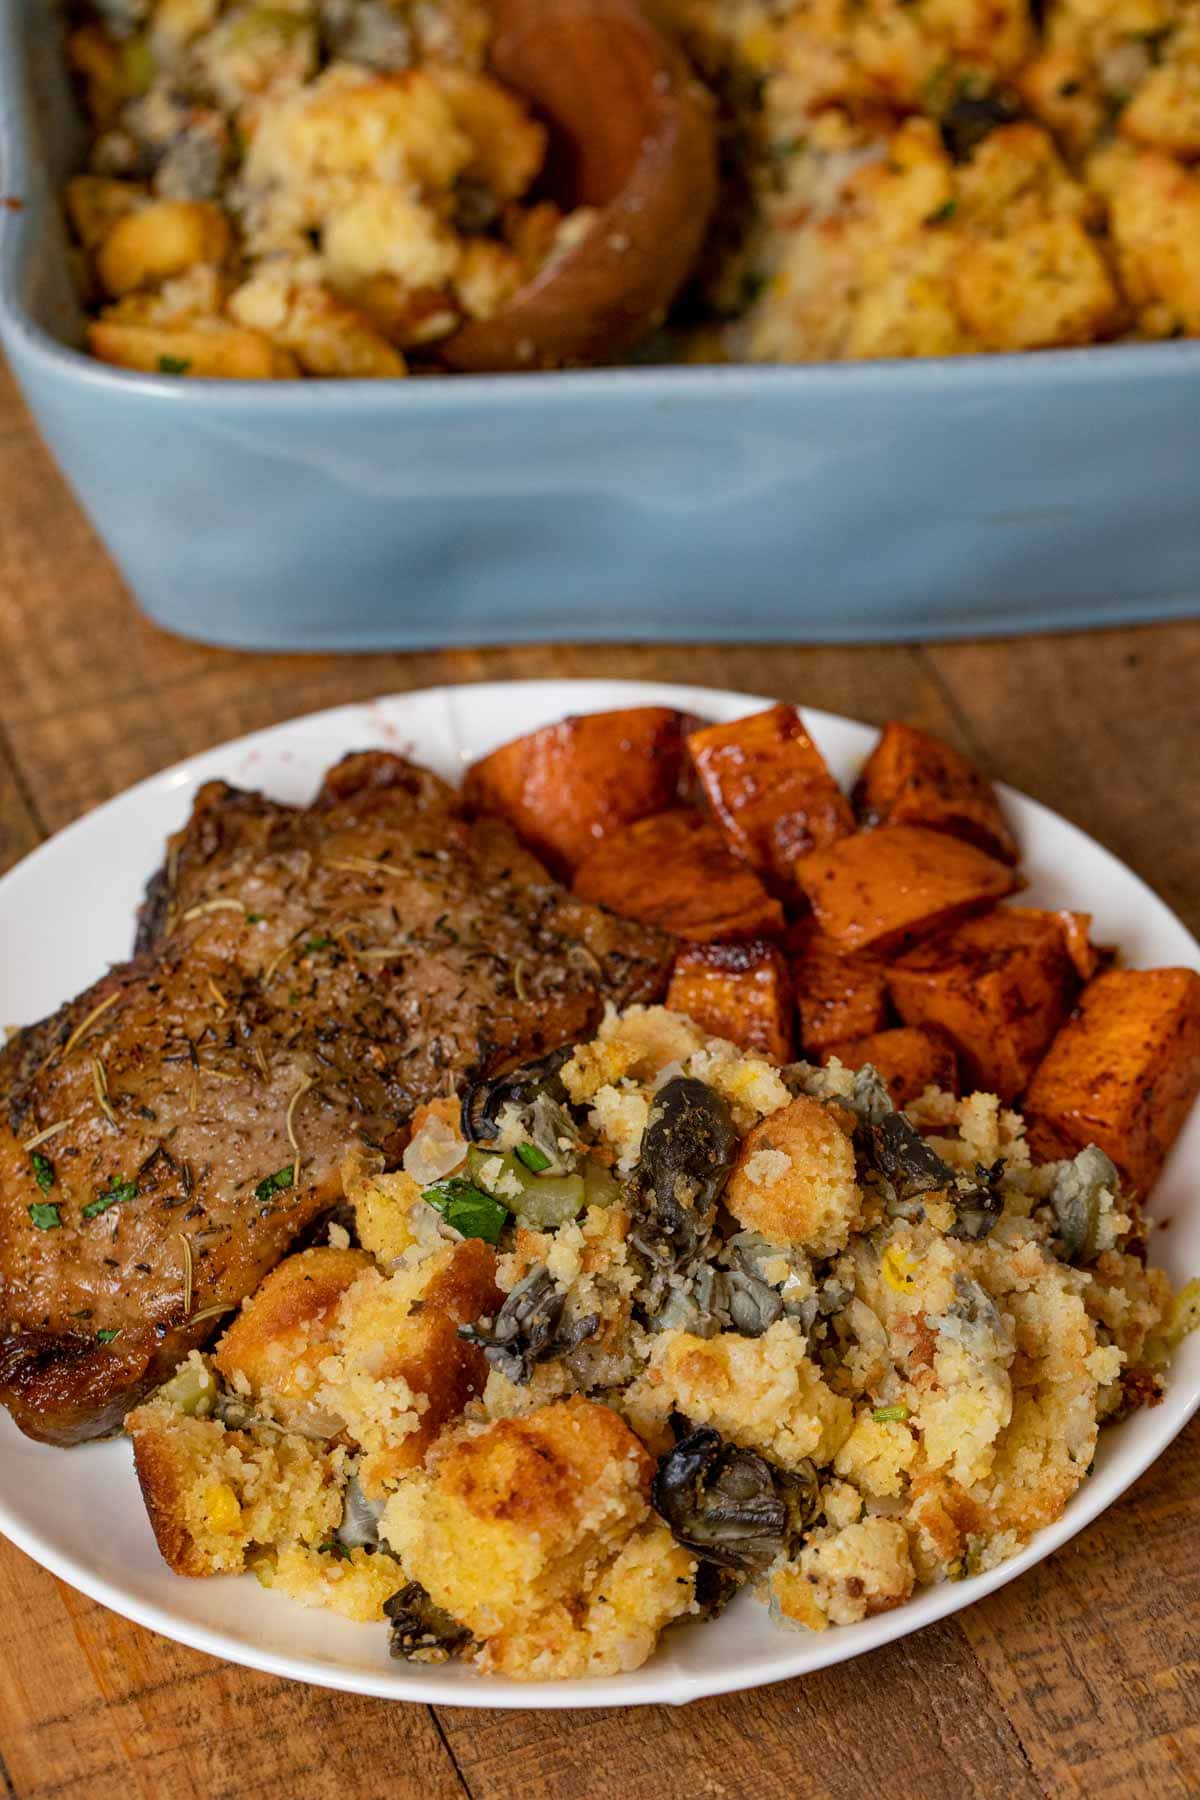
303,979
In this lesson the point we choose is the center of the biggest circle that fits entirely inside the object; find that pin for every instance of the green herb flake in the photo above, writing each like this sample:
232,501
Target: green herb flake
174,365
467,1209
315,944
332,1547
275,1184
534,1159
43,1171
114,1194
254,918
293,996
785,148
890,1415
107,1335
940,214
45,1215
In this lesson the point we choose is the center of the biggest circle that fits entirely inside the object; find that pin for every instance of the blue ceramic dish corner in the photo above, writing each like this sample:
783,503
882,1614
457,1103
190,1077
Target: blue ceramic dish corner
873,501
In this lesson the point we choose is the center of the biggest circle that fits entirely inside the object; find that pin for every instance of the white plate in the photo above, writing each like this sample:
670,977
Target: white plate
68,909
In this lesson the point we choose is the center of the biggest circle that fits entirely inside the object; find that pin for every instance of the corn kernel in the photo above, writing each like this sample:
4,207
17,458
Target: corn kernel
221,1509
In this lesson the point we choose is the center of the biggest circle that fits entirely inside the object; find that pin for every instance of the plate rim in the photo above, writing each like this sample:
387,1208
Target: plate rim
645,1686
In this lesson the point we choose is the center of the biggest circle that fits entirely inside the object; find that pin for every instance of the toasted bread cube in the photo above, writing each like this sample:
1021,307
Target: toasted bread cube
770,790
510,145
912,778
161,240
999,986
566,787
909,1057
212,1494
277,1341
1122,1073
837,996
675,870
95,203
737,991
398,1372
519,1516
211,348
795,1179
882,890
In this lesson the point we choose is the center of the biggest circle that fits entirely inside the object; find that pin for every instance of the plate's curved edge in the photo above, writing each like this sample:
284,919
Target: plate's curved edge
646,1687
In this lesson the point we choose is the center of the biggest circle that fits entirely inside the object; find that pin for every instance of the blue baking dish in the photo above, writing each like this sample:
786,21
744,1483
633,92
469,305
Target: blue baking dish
848,502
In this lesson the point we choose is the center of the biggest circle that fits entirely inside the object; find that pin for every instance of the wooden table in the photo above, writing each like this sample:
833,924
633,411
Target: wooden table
1083,1677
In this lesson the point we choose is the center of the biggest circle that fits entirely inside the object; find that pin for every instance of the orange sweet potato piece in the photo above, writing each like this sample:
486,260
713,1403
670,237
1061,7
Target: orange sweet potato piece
1122,1073
770,790
909,1058
837,997
569,785
1000,986
885,889
737,991
676,871
911,778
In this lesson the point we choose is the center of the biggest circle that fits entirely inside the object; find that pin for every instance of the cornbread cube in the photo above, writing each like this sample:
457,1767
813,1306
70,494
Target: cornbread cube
795,1179
275,1346
519,1515
212,1493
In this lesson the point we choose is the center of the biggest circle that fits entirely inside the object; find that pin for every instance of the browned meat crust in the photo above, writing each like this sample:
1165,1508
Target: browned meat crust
305,978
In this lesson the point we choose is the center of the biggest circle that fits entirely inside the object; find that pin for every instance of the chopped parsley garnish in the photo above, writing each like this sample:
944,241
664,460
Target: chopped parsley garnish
43,1171
114,1194
315,944
890,1415
534,1159
293,996
174,365
275,1184
45,1215
108,1334
468,1209
332,1547
254,918
940,214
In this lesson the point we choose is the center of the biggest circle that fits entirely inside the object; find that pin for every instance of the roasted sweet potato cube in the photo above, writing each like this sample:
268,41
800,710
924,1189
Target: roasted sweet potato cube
1122,1073
737,991
886,889
911,778
1000,986
909,1058
566,787
676,871
837,996
770,790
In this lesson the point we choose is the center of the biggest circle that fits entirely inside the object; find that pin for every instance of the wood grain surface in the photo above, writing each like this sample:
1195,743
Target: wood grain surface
1082,1678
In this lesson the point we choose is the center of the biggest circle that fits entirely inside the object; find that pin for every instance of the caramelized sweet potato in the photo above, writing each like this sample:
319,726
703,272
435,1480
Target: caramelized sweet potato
911,778
910,1059
737,991
675,871
1000,986
883,890
567,786
1122,1073
837,997
770,790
